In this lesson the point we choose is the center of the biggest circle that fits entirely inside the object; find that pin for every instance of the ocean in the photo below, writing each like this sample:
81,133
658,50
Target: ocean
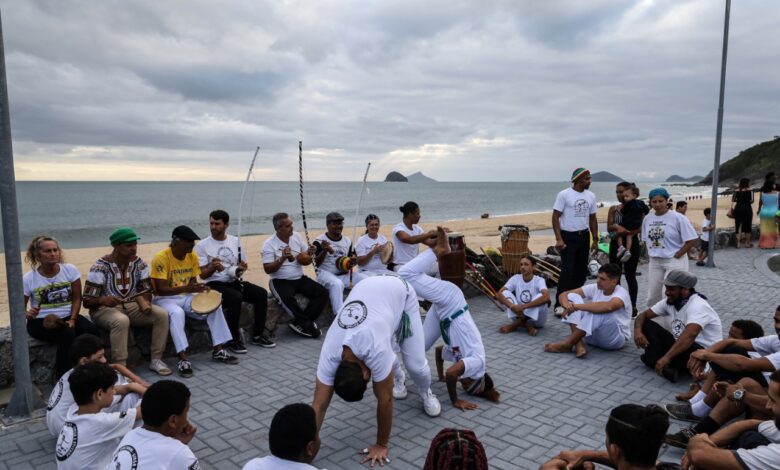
83,214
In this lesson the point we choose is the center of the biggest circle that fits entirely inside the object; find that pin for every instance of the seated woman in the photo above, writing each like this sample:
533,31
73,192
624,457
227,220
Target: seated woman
53,290
369,249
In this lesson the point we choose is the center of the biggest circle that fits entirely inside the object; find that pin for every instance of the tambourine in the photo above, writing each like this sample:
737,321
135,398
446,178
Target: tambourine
344,264
204,303
387,252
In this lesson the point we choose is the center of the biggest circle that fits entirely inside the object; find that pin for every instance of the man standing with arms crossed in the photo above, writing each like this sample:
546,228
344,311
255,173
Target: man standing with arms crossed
574,221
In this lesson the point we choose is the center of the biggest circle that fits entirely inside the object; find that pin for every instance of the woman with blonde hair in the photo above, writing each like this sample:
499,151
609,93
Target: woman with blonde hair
53,290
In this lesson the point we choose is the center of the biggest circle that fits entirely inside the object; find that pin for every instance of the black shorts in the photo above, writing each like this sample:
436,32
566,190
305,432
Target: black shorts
705,245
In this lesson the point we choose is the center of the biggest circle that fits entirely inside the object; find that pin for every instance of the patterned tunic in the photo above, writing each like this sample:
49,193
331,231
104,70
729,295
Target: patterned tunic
107,278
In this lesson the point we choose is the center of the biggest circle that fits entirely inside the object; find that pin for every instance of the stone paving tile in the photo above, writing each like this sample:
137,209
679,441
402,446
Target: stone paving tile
549,402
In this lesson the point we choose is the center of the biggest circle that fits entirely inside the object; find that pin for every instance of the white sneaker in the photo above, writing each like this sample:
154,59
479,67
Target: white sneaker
157,365
399,389
626,256
431,404
559,311
620,251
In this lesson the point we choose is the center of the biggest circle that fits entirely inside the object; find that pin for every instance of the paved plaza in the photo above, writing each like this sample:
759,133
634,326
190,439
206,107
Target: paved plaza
549,402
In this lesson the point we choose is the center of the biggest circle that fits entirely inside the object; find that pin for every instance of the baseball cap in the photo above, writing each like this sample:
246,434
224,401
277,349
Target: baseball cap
184,233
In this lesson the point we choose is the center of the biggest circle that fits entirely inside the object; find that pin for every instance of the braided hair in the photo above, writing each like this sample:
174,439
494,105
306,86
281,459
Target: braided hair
456,449
638,431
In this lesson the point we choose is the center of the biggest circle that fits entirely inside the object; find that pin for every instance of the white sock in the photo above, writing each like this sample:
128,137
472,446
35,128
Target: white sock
701,409
698,397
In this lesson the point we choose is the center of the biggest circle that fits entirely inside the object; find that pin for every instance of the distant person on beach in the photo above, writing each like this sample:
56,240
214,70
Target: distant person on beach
222,262
293,439
118,294
598,314
694,325
449,319
284,256
162,442
767,213
742,210
681,207
407,236
526,298
669,236
633,210
634,435
333,246
616,229
380,316
574,221
706,227
175,273
456,449
53,290
369,248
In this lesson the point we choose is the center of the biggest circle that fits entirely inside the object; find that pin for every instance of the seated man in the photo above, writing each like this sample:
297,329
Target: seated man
380,315
694,324
598,314
331,246
634,436
284,256
89,435
449,318
87,349
293,439
174,276
222,262
162,441
526,299
704,453
118,293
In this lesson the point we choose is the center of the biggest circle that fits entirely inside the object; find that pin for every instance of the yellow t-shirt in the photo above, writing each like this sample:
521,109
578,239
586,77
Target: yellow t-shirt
177,272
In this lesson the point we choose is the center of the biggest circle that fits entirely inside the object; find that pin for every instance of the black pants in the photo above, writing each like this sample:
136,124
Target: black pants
629,267
236,292
661,342
574,261
734,377
62,338
285,290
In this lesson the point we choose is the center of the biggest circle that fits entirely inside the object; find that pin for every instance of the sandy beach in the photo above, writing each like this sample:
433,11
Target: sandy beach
478,233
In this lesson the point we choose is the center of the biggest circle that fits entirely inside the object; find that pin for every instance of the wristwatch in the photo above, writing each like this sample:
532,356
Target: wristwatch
738,395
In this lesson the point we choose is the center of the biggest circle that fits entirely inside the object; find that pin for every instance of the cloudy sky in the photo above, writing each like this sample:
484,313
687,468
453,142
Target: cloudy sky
515,90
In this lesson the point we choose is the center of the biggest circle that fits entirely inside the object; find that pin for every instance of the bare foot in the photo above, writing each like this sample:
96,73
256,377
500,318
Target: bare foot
695,387
558,347
508,328
531,330
442,246
580,351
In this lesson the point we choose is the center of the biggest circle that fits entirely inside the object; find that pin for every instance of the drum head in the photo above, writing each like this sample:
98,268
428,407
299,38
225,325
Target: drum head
387,252
204,303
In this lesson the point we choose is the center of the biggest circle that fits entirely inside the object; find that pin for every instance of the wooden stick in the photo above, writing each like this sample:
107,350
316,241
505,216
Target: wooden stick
547,265
490,260
480,277
493,300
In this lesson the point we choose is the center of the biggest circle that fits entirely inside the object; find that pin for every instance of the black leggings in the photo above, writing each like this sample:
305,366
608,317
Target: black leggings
62,338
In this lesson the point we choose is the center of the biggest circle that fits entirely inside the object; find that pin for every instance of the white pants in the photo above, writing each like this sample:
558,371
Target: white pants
178,306
537,316
445,296
336,283
413,349
656,273
601,329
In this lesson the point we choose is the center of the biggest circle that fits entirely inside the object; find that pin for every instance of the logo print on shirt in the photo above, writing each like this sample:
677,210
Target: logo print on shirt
656,235
56,395
581,208
525,296
67,442
124,458
677,327
352,314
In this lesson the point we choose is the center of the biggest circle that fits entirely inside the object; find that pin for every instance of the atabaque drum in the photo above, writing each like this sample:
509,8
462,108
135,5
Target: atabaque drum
452,266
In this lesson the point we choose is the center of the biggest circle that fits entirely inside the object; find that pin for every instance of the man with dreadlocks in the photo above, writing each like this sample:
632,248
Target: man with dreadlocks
456,449
449,318
380,317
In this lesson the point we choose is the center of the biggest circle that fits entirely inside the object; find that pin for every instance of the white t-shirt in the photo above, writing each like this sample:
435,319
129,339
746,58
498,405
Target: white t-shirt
705,235
666,234
405,252
340,248
272,462
366,244
142,449
226,251
575,209
367,323
272,250
523,291
760,458
768,347
51,294
769,430
87,441
696,310
593,294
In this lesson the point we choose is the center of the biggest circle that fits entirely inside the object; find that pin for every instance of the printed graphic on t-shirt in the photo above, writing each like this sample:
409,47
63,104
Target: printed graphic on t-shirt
226,255
581,208
125,458
525,296
352,314
55,396
656,234
67,442
54,295
677,327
